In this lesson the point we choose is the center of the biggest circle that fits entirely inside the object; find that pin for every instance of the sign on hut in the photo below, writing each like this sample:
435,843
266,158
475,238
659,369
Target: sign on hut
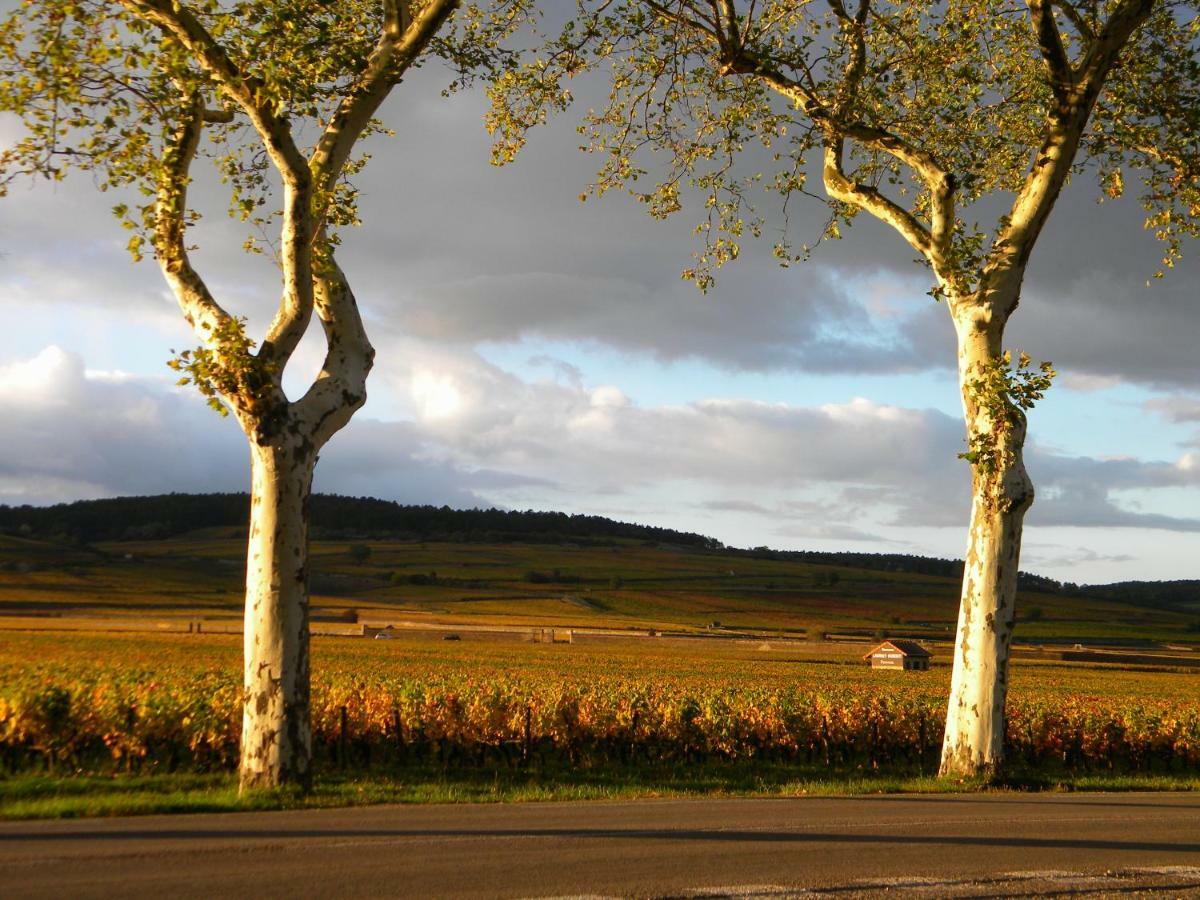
899,654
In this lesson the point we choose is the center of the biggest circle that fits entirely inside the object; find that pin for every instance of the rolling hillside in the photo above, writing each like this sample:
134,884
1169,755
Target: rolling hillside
374,560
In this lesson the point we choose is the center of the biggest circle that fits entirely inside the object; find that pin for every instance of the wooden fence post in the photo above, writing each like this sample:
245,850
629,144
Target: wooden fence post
399,733
342,740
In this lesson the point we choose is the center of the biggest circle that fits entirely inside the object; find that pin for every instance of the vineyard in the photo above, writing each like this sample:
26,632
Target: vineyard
167,703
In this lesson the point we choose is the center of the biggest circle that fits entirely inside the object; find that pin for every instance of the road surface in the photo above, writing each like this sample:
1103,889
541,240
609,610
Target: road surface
993,845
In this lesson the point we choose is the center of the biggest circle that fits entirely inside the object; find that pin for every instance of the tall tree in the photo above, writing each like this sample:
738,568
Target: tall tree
135,92
928,116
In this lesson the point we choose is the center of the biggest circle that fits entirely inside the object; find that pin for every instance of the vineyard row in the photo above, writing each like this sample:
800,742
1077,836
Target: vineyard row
144,726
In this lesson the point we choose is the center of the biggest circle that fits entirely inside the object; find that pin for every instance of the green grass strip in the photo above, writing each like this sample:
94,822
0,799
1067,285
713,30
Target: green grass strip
45,797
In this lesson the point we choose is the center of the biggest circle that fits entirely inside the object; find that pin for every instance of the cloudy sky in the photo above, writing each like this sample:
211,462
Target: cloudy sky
538,352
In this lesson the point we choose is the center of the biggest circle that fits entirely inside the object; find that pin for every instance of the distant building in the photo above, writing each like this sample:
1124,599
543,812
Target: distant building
899,654
553,636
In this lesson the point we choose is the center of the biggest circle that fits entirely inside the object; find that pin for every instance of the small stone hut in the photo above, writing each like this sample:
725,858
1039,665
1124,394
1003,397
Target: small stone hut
899,654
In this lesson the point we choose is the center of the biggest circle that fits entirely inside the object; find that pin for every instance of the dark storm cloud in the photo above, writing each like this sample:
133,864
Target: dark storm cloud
456,251
497,255
1106,322
1088,505
773,321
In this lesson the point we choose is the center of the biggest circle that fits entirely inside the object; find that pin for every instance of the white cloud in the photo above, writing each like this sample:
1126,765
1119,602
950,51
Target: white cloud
609,396
436,396
1057,556
851,475
69,436
11,130
1087,383
1176,407
51,379
465,254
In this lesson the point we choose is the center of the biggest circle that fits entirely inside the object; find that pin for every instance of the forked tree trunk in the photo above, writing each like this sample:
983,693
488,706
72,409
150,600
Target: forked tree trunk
284,442
276,733
1002,492
284,436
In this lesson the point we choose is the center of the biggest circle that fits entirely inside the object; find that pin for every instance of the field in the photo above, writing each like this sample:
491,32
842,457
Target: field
691,671
141,704
625,585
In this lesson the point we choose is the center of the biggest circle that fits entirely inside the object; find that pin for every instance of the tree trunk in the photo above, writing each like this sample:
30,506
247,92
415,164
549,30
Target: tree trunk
974,739
276,731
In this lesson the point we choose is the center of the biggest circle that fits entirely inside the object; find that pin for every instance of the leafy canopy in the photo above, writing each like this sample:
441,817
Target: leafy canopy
278,97
963,89
96,83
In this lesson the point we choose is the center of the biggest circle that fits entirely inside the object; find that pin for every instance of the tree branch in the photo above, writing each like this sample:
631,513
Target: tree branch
202,311
1103,51
295,306
706,26
218,116
842,188
933,243
1050,43
853,29
176,20
921,161
731,27
341,386
1081,24
402,41
1063,130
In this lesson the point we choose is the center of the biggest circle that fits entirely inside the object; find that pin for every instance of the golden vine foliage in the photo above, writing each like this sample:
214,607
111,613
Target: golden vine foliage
164,706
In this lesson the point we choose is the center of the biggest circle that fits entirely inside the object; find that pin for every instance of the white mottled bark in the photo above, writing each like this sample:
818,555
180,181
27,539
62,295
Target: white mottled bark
276,733
974,736
284,442
284,437
276,730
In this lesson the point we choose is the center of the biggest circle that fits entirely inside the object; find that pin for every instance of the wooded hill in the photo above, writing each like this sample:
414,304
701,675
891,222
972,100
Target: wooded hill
336,517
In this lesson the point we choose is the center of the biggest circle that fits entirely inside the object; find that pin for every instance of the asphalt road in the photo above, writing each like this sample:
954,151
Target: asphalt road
993,845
